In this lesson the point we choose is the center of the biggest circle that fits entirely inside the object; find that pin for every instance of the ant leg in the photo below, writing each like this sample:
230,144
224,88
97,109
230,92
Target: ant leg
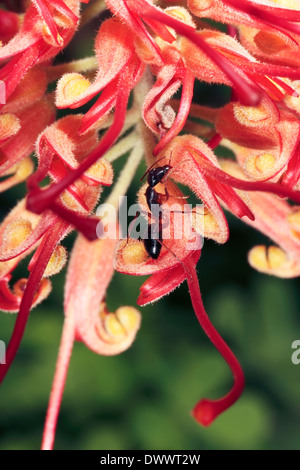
131,227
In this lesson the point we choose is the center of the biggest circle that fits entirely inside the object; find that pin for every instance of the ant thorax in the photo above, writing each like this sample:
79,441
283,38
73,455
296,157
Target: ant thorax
156,175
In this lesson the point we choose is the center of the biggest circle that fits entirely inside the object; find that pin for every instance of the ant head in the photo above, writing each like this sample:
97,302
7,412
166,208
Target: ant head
156,175
151,170
166,168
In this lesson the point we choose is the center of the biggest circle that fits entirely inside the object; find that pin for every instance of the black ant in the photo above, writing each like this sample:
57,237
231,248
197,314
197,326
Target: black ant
153,242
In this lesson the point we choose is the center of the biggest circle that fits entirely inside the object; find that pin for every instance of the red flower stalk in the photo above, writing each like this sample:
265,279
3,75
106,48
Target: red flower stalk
87,318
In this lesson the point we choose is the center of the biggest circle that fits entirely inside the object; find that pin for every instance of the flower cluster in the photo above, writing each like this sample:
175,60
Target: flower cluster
141,80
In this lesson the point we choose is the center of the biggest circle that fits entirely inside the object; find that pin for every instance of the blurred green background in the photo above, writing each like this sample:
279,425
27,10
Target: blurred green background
142,398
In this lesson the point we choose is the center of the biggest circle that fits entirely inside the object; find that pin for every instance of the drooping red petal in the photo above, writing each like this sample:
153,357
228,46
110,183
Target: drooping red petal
207,410
162,283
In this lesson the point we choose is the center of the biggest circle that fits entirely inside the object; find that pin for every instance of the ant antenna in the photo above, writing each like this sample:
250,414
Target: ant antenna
150,168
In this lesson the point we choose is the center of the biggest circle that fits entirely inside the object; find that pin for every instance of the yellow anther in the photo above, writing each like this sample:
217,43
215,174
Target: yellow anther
134,252
294,220
260,165
116,327
293,101
276,257
71,86
203,220
9,126
113,327
69,201
47,34
258,258
15,233
180,13
49,37
265,162
101,170
206,225
24,169
267,259
144,53
56,262
129,318
251,116
59,39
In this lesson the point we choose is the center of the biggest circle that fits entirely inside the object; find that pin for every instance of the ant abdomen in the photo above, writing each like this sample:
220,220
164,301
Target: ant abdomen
153,243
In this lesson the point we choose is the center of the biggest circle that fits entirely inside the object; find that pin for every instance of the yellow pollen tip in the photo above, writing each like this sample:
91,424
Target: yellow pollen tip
59,39
250,115
56,262
71,86
48,35
101,170
265,162
267,259
113,327
294,219
203,220
15,233
144,53
129,318
24,169
260,165
134,252
276,257
9,126
180,13
206,225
